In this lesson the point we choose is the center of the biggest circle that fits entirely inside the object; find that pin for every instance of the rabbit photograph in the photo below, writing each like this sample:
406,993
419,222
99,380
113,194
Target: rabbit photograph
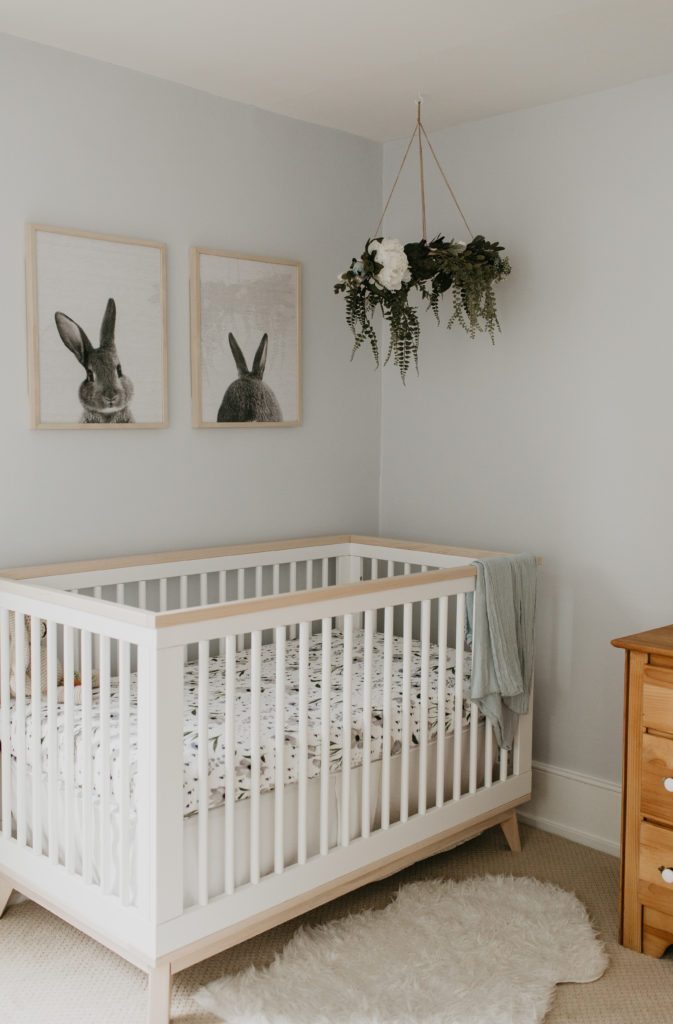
245,340
249,398
105,393
96,330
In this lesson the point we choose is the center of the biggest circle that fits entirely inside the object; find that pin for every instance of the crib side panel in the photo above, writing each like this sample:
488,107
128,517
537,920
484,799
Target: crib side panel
71,783
374,747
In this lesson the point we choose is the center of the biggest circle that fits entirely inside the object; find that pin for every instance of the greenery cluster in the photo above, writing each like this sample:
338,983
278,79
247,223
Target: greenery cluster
435,267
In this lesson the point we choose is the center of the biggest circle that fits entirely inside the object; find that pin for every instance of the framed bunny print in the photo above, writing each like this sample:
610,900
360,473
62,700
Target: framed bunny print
96,310
246,340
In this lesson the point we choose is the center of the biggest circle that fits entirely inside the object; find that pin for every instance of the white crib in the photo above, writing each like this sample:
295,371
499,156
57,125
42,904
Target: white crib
255,730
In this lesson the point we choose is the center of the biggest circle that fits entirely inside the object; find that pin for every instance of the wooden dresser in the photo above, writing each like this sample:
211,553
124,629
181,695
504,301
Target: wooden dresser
646,890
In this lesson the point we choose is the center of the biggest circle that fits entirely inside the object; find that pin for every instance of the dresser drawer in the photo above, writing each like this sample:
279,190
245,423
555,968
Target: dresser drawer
656,851
656,799
658,699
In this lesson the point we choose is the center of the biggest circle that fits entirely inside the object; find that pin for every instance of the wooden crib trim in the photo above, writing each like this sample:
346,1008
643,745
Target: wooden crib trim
169,557
200,554
253,605
32,599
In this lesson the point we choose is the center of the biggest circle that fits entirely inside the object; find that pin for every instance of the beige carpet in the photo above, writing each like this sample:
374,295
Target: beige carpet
50,974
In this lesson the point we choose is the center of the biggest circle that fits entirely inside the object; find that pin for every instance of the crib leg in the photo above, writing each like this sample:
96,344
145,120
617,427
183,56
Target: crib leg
5,892
159,994
510,827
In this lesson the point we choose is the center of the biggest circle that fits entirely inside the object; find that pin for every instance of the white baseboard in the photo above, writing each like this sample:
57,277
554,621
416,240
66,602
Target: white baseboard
578,807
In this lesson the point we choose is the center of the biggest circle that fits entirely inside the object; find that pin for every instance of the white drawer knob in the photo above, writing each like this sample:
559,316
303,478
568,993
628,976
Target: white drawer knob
668,784
667,875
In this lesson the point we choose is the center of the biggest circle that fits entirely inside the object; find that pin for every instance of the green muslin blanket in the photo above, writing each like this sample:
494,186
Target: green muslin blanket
503,644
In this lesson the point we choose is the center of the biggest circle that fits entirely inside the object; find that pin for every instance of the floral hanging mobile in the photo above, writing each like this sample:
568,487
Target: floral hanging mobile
386,273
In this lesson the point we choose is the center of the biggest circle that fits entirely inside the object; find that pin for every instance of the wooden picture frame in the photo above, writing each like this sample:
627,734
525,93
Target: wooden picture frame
245,340
96,320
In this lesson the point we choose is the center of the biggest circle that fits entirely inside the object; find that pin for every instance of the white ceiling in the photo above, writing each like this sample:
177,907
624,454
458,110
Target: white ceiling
360,65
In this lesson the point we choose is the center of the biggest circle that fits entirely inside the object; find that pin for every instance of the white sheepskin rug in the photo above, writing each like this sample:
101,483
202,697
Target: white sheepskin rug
484,951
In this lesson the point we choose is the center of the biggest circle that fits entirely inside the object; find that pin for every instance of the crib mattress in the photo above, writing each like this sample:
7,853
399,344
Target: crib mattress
217,718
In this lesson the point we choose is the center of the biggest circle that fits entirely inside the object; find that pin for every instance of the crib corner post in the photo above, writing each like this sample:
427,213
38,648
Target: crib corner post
160,783
160,983
522,752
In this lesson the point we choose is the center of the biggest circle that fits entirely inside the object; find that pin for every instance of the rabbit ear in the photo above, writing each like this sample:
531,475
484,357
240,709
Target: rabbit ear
238,356
260,357
74,338
107,327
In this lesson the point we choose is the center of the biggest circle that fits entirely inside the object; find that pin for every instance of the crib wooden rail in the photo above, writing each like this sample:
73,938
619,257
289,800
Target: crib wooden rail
260,729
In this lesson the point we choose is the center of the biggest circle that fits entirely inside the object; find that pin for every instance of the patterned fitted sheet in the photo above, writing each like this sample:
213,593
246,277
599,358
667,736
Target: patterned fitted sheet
217,718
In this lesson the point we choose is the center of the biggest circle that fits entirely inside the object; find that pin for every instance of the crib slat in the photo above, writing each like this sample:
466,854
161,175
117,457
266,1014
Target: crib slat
4,723
406,710
163,594
346,728
324,581
503,764
240,595
474,745
52,739
106,767
69,755
279,790
87,758
124,771
259,580
425,683
20,712
367,722
184,597
375,569
293,588
325,700
458,696
142,593
230,761
255,766
488,753
35,729
390,568
309,574
442,631
221,597
203,773
387,687
275,585
303,741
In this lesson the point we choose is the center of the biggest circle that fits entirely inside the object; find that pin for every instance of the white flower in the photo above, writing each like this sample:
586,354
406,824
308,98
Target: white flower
395,265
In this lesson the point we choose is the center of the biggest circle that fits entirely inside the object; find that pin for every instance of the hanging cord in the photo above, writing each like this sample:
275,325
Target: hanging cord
406,153
418,129
446,181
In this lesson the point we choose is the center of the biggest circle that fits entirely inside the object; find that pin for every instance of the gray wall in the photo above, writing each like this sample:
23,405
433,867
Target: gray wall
94,147
560,438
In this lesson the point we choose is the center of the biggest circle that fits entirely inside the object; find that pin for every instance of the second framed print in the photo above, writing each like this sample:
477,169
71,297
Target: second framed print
246,340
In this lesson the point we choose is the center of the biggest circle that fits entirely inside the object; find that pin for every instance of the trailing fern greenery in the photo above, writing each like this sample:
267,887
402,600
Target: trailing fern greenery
384,276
